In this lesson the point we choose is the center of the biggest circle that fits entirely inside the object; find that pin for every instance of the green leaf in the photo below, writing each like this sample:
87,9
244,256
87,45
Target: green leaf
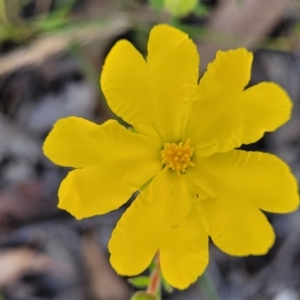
157,4
144,296
3,17
4,34
140,281
207,287
53,21
63,4
201,10
132,129
1,297
166,286
152,265
180,8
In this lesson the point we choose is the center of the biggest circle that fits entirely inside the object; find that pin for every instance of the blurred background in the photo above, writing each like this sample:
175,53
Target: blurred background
51,54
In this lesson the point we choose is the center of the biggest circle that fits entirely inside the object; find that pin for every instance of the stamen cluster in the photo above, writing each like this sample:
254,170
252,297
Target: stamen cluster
177,156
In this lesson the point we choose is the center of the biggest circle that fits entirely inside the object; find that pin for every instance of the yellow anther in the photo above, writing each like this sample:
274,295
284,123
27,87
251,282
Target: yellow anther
177,157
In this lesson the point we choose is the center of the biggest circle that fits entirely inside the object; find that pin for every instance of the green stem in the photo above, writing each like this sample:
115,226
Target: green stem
207,288
155,280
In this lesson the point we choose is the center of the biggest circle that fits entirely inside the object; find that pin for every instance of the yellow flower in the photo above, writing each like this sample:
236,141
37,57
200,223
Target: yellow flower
199,185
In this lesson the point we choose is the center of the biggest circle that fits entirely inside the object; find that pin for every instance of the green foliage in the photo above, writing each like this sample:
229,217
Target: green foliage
180,8
152,265
166,286
207,287
21,30
201,10
3,18
65,4
140,281
144,296
53,21
157,4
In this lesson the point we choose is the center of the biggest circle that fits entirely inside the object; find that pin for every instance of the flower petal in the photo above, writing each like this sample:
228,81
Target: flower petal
237,227
135,239
268,106
125,84
152,95
77,142
231,187
71,143
227,75
226,116
98,190
94,191
173,63
164,217
117,163
261,178
184,247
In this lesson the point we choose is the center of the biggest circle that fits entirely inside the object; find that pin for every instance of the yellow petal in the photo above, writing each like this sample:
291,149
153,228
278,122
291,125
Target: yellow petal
154,94
98,190
164,216
236,226
227,75
92,191
125,84
71,143
226,116
261,178
268,106
184,245
76,142
173,64
135,239
116,163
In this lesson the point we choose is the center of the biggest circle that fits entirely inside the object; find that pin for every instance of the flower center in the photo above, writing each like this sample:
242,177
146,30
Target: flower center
177,156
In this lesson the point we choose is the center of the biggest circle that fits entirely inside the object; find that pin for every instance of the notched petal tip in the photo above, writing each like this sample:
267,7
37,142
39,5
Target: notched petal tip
188,271
77,216
241,54
240,51
284,100
227,75
270,106
175,39
66,137
289,183
69,200
116,52
122,270
293,205
259,245
167,28
120,50
258,251
51,135
239,57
